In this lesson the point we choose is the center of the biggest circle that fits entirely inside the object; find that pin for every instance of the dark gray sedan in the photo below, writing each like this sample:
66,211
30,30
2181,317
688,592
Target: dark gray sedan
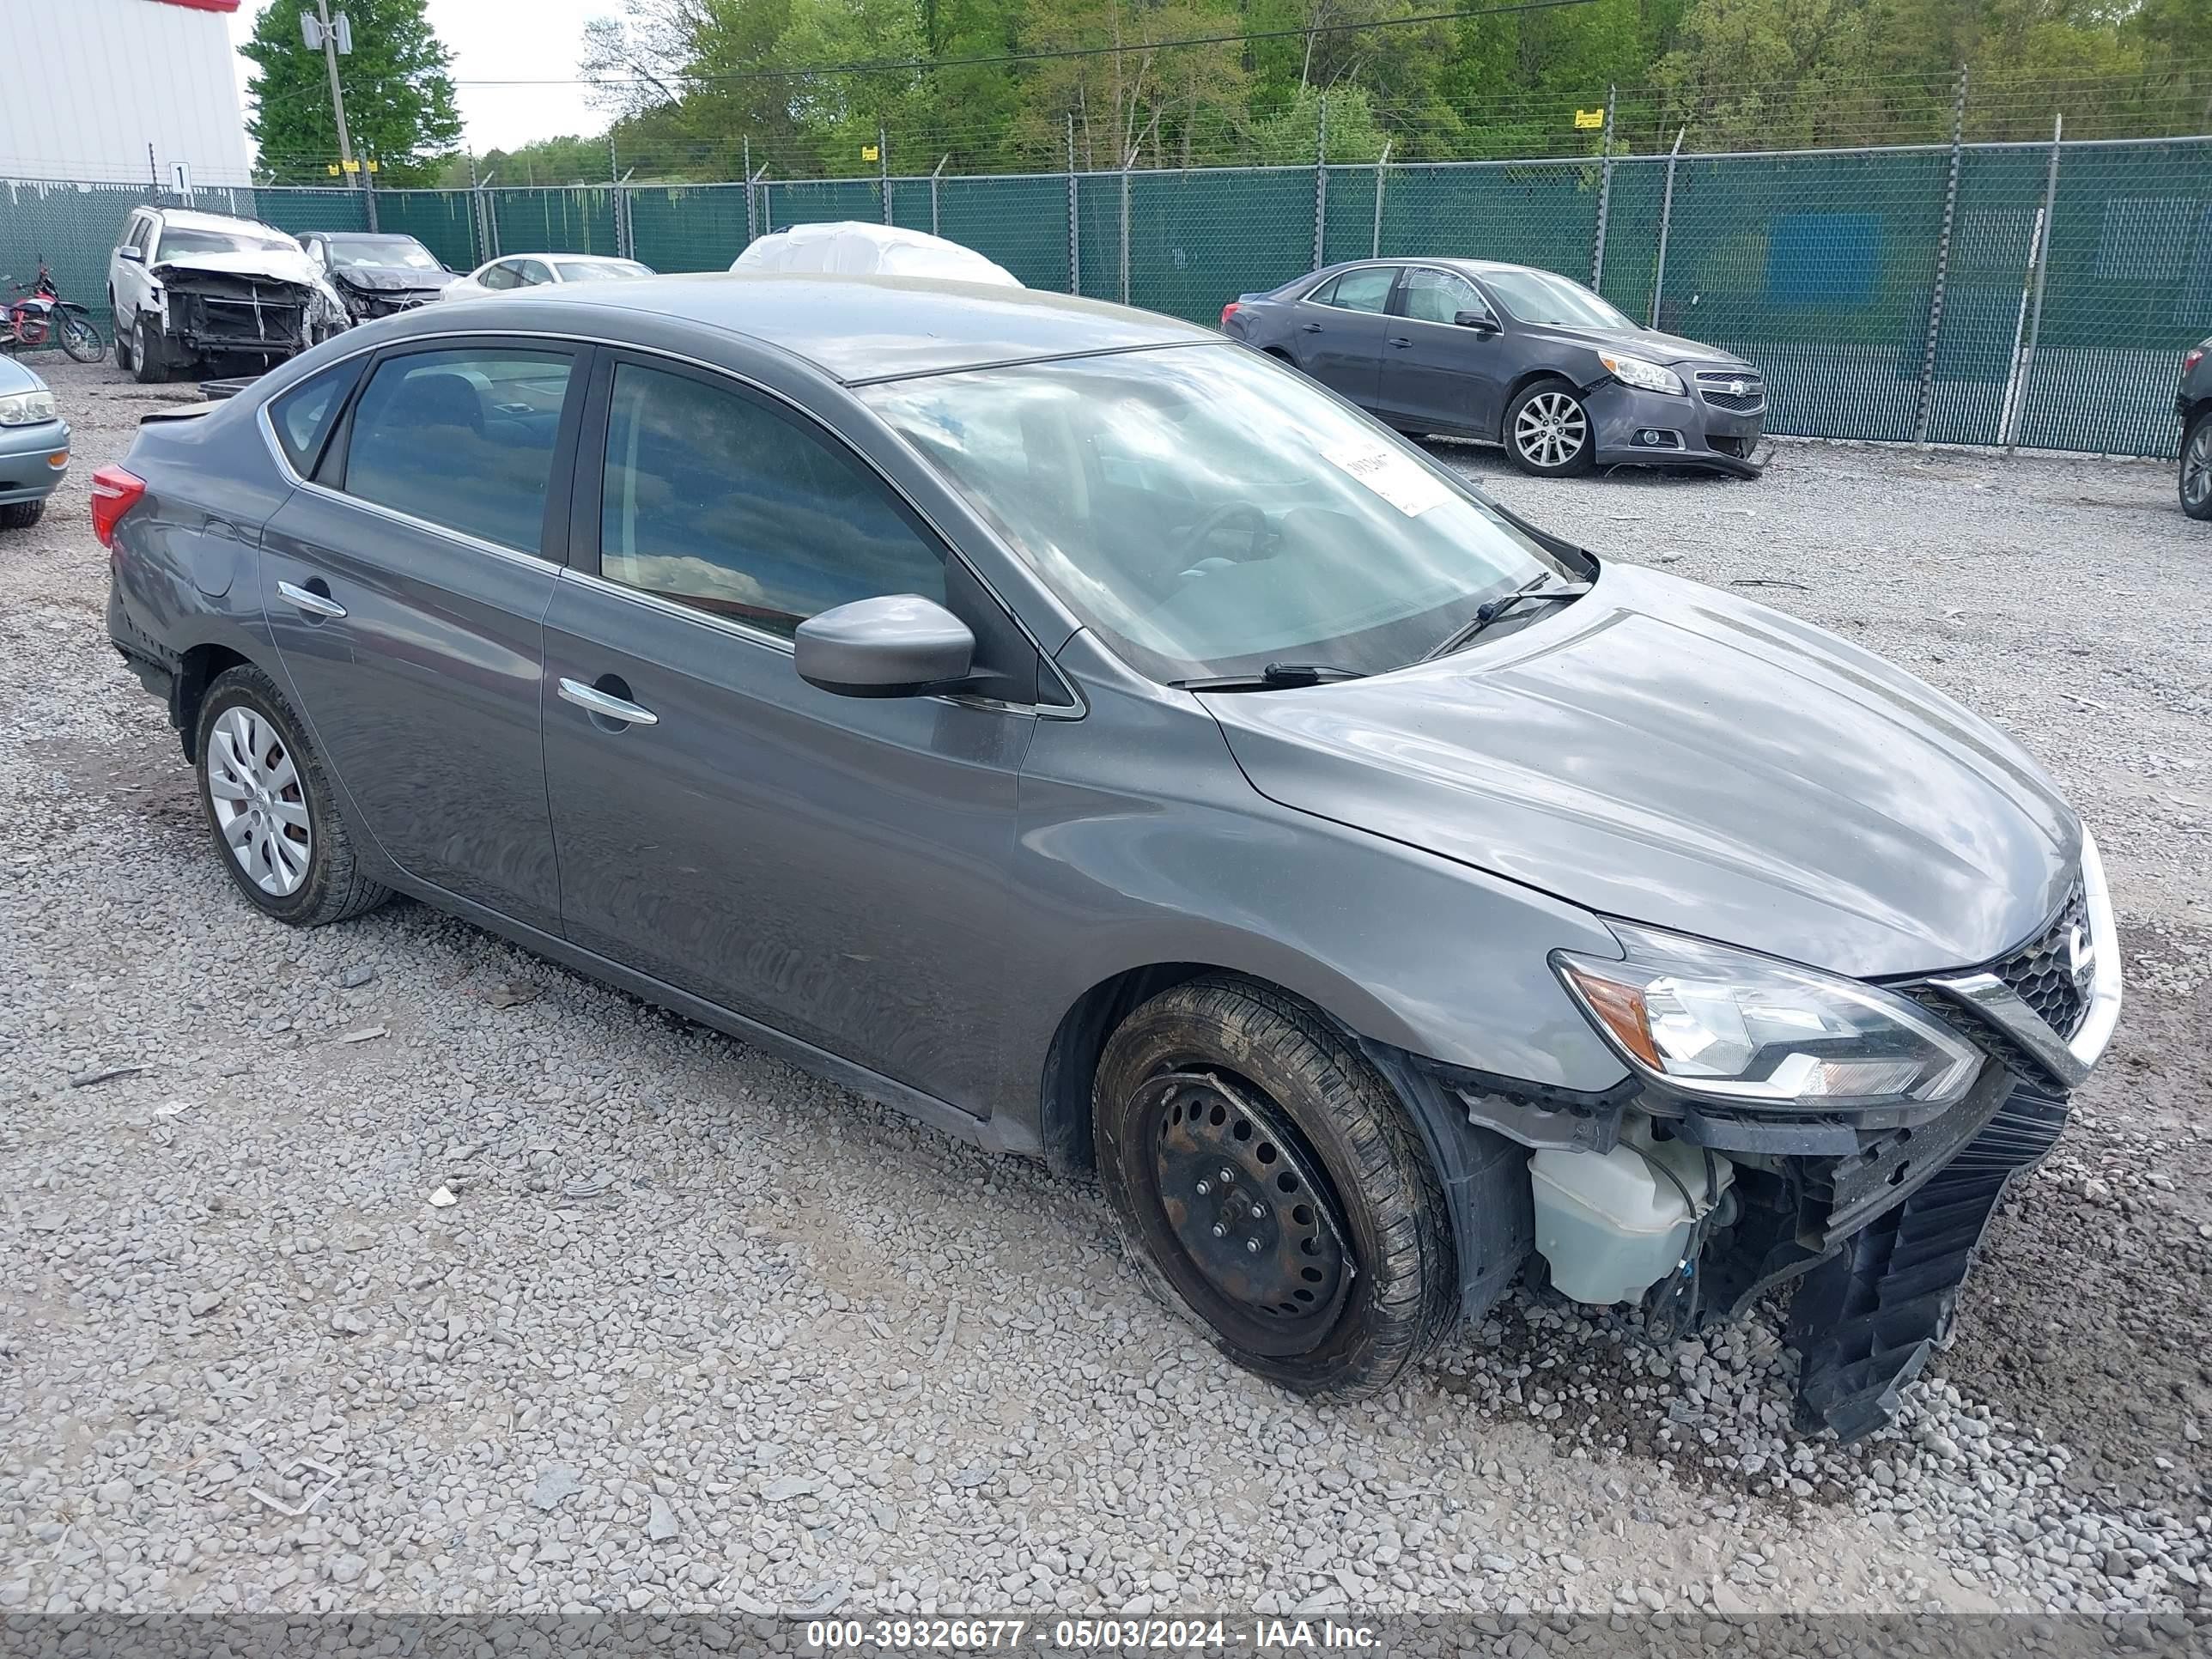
1510,354
1094,738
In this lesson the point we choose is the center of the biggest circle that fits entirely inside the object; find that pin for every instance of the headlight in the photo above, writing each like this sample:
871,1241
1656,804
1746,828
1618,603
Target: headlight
27,409
1745,1030
1634,371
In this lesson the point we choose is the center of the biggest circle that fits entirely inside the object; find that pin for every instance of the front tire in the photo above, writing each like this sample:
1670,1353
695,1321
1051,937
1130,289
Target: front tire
2197,467
1549,431
1323,1261
124,330
270,809
21,515
149,355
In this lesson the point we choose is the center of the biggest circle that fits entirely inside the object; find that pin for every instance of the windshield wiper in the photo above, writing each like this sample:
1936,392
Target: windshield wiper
1275,677
1490,611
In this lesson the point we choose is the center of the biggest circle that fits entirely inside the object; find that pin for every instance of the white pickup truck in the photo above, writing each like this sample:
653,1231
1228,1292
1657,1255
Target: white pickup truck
192,289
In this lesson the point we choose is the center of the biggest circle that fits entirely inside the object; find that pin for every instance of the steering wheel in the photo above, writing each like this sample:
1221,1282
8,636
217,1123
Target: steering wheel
1195,540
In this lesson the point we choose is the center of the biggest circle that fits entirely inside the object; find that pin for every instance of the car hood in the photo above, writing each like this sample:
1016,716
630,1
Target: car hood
279,264
391,279
1667,753
1645,343
16,378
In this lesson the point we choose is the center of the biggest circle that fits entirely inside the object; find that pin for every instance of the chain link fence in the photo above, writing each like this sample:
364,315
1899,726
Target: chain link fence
1989,294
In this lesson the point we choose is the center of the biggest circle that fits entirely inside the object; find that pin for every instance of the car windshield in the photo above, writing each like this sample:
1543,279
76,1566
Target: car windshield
401,251
187,238
597,271
1538,296
1209,512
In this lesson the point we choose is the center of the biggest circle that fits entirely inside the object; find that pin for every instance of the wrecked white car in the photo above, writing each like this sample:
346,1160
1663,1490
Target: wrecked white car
192,290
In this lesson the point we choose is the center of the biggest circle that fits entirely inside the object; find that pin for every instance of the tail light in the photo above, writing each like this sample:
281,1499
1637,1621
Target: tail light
2190,358
114,493
1231,310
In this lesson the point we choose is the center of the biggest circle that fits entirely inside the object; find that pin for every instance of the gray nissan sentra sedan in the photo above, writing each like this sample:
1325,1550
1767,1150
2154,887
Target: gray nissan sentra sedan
1097,740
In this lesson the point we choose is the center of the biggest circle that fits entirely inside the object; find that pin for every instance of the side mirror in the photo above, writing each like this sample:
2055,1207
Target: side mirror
130,256
899,645
1480,321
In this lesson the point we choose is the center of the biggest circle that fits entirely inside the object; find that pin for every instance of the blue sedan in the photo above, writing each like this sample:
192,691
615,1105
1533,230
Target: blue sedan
34,445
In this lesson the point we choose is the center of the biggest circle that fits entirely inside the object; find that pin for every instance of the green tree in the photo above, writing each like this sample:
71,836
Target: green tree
400,110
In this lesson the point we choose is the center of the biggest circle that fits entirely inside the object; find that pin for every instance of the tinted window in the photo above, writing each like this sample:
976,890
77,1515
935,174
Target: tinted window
464,439
1363,290
1437,296
498,276
303,416
723,503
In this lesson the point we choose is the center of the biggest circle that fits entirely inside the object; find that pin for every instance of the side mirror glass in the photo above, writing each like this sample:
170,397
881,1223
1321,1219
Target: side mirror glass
1480,321
899,645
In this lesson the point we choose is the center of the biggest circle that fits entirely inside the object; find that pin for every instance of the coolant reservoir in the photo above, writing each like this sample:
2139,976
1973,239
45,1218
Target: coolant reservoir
1610,1223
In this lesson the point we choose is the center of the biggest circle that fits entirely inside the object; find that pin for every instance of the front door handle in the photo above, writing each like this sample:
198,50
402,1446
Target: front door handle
1400,340
1311,328
605,705
314,604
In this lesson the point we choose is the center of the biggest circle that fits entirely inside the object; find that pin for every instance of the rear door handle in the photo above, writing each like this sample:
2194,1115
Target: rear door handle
315,604
1400,340
605,705
1311,328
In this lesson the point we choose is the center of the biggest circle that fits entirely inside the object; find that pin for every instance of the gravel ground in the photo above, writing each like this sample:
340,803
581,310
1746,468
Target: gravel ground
698,1331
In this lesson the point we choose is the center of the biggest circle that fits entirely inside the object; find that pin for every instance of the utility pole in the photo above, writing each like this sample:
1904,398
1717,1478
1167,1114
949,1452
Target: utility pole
320,31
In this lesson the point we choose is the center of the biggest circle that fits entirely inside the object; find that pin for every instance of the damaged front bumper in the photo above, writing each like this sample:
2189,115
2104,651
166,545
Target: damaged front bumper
1876,1216
210,314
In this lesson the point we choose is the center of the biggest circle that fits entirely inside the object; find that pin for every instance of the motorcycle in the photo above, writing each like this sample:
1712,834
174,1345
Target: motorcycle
41,314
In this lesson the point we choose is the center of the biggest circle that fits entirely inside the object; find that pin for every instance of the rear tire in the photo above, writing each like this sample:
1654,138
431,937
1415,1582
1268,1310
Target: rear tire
270,809
1336,1270
1549,431
2197,467
80,339
21,515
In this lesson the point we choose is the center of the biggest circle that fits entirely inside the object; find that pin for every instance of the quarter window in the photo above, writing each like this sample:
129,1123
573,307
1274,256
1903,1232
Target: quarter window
1437,296
723,504
1361,290
464,439
303,417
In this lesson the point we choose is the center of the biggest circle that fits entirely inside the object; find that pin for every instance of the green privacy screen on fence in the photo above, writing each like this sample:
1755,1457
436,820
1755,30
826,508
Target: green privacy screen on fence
1888,293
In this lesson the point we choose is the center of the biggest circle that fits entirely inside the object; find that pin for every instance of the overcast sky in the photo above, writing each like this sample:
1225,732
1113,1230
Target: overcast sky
498,40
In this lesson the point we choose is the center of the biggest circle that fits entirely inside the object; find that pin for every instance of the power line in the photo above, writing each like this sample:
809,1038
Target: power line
1042,54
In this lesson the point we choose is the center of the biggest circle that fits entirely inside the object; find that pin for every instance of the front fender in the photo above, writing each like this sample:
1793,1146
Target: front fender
1195,866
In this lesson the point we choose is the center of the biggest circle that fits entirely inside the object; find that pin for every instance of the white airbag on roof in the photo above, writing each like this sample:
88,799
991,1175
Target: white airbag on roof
854,249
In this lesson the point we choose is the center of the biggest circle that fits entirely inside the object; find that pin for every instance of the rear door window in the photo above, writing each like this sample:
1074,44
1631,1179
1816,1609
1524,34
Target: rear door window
463,439
501,276
304,415
1363,290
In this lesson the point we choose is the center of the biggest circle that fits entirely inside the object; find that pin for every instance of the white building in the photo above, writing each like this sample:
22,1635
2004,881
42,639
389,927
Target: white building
119,92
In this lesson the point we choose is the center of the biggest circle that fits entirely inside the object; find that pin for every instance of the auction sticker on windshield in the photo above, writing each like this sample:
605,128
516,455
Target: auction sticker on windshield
1397,478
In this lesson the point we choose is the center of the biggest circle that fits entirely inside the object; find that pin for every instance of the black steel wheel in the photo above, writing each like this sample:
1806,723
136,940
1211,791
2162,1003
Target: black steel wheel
1271,1188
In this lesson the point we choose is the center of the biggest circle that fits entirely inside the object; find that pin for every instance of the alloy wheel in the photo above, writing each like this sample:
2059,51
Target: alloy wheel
1549,428
260,806
2197,466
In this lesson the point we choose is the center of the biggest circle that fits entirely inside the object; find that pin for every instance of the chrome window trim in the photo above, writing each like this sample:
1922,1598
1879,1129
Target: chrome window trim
1076,709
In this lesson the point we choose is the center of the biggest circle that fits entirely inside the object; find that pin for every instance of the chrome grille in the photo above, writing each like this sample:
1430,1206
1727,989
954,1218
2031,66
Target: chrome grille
1717,386
2041,974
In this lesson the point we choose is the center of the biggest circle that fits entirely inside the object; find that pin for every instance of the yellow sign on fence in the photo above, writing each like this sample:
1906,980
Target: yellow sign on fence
870,153
1590,118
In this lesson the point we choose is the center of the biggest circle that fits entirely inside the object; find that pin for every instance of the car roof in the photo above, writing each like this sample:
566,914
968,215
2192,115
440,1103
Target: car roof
857,329
572,253
191,219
